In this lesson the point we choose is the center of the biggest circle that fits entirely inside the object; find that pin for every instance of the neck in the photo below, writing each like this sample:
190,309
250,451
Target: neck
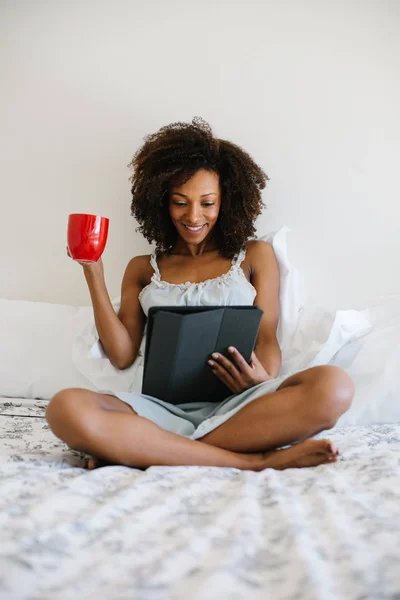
209,244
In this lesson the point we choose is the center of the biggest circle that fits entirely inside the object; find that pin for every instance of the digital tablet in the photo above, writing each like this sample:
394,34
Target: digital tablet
180,341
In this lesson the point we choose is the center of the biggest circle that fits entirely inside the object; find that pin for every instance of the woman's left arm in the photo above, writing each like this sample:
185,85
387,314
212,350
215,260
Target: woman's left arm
265,278
265,361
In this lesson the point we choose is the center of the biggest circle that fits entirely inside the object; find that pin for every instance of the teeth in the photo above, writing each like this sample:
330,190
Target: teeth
194,228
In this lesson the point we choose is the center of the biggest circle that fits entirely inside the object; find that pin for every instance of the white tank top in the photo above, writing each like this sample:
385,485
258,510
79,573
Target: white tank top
229,289
232,288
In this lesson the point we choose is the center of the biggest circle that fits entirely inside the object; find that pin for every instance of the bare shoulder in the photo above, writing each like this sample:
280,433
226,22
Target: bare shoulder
260,253
139,269
263,268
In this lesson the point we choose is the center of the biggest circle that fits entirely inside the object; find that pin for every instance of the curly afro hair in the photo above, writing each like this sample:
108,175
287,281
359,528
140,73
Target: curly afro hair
171,156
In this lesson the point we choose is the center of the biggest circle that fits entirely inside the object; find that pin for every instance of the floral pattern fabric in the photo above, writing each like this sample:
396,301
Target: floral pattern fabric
326,533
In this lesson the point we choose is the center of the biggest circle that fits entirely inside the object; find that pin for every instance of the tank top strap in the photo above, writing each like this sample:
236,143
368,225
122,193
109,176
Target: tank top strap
153,262
239,258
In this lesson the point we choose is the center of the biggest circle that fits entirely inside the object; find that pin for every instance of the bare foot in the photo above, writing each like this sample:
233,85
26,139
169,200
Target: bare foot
309,453
95,463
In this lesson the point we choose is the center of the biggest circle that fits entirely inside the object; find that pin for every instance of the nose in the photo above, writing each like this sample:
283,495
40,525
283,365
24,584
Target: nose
193,214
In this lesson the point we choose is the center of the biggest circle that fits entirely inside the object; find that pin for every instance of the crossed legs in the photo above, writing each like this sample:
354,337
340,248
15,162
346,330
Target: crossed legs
305,404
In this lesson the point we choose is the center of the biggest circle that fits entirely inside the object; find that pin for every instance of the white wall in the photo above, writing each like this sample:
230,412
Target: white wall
311,89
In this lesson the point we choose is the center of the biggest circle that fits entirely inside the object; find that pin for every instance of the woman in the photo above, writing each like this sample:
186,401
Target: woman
197,197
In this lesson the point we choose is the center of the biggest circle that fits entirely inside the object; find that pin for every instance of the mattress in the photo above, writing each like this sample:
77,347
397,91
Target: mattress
328,532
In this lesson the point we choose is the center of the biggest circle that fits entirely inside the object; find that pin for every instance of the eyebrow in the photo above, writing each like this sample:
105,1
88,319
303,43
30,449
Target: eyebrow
202,196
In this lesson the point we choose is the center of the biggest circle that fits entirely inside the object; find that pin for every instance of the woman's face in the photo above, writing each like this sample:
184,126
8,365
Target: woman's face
194,206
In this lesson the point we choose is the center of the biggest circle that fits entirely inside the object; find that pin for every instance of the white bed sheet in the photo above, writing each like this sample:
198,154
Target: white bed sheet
326,533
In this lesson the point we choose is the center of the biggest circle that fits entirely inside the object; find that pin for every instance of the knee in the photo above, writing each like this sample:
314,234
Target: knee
60,406
62,415
333,390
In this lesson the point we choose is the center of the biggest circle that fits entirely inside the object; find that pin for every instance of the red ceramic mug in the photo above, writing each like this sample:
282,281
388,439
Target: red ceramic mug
87,236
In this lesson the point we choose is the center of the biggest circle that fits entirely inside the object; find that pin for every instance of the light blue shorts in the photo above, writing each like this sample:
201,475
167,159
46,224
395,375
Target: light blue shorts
195,419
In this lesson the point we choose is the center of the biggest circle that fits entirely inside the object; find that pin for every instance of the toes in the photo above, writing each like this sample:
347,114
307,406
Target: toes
330,448
314,460
326,460
96,463
91,464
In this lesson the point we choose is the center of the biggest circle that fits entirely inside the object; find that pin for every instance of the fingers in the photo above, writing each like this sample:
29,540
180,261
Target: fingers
227,364
239,360
227,372
227,378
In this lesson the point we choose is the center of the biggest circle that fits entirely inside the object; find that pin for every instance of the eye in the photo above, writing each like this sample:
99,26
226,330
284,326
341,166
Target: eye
208,203
180,203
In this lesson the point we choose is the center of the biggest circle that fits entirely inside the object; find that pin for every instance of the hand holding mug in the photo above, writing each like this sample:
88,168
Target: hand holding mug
88,266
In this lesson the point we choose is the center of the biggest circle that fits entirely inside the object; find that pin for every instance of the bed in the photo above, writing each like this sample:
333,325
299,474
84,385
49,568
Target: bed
327,533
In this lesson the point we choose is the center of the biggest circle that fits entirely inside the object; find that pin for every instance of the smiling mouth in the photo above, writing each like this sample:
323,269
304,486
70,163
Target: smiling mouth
195,229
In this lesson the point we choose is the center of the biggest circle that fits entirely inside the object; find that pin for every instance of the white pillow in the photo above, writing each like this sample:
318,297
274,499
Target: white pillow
35,348
373,362
320,335
291,288
90,359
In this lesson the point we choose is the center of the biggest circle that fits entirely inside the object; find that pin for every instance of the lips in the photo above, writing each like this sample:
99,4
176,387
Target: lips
195,229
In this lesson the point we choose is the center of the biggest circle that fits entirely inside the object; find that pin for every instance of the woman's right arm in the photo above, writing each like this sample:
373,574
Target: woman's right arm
120,335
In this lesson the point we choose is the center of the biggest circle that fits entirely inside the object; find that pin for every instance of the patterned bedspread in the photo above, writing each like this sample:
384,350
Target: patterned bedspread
327,533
